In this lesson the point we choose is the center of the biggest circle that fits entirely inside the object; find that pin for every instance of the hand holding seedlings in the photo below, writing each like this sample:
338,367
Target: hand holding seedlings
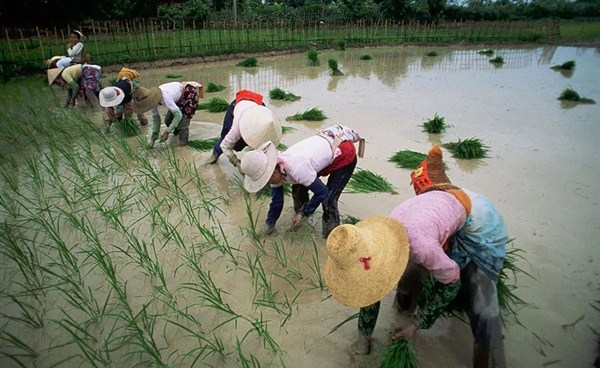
164,136
297,221
406,332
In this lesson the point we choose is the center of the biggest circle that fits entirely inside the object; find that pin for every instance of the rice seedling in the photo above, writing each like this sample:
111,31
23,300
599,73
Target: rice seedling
315,267
215,104
488,52
85,341
173,76
497,60
214,87
287,129
260,327
366,57
399,354
341,45
570,94
313,114
16,349
30,315
313,57
248,63
407,159
432,53
568,65
281,147
467,149
279,94
333,68
127,127
350,318
435,125
366,181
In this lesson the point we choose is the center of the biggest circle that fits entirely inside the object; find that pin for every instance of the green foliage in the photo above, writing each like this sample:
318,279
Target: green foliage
279,94
497,60
407,159
313,57
204,144
365,181
214,87
127,127
190,10
333,67
399,354
366,57
467,149
215,104
570,94
435,125
173,76
341,45
248,63
313,114
432,53
569,65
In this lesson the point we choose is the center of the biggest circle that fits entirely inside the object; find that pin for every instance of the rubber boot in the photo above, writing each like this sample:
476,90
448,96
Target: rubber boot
69,97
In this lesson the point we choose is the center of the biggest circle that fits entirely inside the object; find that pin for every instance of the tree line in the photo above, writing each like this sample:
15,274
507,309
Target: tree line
59,12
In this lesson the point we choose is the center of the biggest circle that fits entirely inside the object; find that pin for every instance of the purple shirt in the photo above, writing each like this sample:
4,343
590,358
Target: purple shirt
430,219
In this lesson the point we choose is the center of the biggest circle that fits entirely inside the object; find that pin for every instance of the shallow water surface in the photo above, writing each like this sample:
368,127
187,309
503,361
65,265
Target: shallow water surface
542,173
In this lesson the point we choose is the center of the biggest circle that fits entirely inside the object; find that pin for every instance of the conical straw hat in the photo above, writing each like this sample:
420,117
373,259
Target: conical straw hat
366,260
258,125
53,74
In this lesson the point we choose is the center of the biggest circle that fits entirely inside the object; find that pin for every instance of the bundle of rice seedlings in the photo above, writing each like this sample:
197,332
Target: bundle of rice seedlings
467,149
265,192
365,181
215,104
366,57
248,63
407,159
341,45
488,52
432,53
348,219
333,67
127,127
569,65
281,147
313,114
435,125
313,57
214,87
497,60
287,129
113,81
279,94
570,94
204,144
399,354
173,76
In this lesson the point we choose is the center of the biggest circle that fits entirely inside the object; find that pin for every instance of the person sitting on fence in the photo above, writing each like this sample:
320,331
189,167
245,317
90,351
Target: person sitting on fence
329,152
453,234
84,76
181,98
75,51
235,131
117,99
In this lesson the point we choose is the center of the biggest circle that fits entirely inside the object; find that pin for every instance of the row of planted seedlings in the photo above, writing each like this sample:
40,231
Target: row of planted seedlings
113,255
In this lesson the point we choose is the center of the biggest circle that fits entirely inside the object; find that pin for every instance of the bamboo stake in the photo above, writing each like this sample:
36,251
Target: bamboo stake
23,42
40,41
12,55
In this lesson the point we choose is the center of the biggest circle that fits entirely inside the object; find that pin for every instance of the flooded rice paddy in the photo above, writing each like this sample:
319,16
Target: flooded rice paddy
163,257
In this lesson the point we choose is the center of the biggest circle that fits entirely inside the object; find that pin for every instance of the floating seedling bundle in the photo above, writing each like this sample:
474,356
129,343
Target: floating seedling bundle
214,87
248,63
313,114
215,104
467,149
568,65
204,144
365,181
279,94
313,57
407,159
570,94
333,68
435,125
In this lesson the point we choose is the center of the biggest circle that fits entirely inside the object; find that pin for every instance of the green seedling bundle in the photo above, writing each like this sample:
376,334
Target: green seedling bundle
215,104
470,148
366,181
407,159
314,114
214,87
279,94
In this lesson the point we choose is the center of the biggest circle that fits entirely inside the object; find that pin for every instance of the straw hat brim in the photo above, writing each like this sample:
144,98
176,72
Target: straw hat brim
145,99
258,125
120,96
366,260
53,74
253,185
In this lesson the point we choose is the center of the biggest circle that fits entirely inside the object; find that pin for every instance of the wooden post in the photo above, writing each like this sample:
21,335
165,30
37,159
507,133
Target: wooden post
23,42
40,40
12,55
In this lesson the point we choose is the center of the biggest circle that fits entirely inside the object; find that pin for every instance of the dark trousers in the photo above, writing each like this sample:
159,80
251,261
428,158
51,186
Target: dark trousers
480,298
182,130
336,183
227,123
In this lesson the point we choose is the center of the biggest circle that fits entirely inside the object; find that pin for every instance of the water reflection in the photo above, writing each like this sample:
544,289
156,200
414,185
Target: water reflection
471,165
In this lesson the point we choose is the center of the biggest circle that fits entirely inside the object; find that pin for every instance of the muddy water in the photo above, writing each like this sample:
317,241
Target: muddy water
542,173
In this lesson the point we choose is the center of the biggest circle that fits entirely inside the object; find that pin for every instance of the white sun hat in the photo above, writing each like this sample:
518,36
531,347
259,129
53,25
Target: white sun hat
258,166
258,125
111,96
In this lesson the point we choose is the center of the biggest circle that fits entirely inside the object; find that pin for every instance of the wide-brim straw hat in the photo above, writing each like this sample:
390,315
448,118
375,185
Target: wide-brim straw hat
366,260
53,74
50,61
111,96
258,125
145,99
127,73
258,166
